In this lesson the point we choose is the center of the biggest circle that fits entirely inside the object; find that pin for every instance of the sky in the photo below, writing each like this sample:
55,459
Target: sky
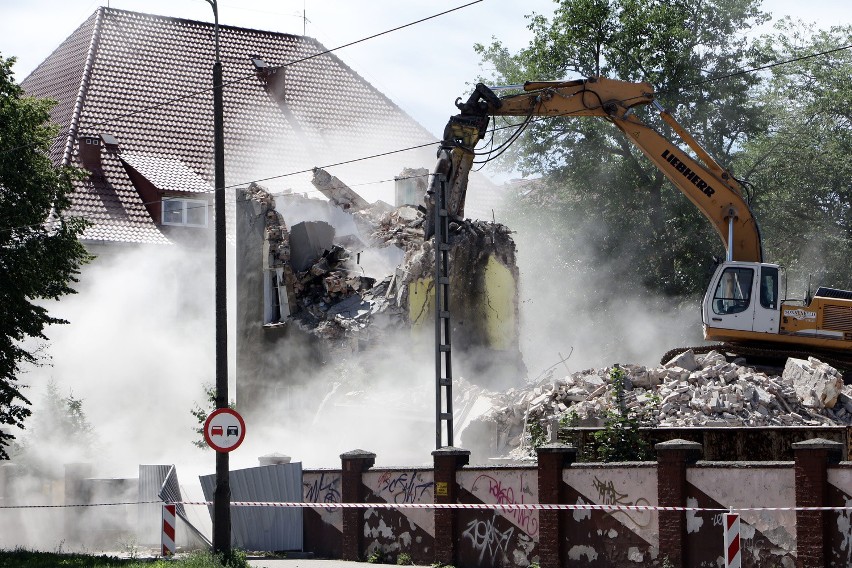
422,68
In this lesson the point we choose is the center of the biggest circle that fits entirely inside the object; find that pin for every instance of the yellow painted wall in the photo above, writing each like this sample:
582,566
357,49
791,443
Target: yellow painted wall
499,308
421,302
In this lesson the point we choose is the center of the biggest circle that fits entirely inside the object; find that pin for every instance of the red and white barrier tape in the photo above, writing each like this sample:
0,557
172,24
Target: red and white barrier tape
510,506
489,506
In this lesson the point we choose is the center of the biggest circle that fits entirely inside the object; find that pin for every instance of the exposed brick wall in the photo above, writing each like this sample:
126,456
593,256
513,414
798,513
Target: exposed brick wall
354,464
672,459
812,459
552,458
447,462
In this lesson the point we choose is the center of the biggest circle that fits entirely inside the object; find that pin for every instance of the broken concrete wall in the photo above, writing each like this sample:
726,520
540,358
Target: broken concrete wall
410,186
354,276
270,359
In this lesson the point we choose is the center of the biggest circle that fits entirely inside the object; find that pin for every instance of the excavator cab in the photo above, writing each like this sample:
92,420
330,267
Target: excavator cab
742,296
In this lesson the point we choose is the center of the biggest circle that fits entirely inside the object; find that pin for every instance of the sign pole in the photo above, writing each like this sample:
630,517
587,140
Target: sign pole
222,495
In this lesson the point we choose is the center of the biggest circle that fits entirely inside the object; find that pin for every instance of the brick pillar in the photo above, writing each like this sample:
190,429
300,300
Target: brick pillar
76,493
812,460
672,459
552,459
447,462
354,464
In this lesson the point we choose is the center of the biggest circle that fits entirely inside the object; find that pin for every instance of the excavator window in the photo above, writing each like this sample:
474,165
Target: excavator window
733,293
769,287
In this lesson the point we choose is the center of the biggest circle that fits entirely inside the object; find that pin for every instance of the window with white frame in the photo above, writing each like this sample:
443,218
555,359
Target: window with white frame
185,212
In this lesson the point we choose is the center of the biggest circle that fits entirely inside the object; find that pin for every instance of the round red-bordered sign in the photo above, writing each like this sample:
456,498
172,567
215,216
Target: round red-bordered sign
224,430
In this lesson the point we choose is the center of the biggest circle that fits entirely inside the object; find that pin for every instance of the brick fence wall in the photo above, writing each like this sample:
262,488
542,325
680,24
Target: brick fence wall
473,538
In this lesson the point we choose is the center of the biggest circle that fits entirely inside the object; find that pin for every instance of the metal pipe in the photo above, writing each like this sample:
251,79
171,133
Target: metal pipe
730,255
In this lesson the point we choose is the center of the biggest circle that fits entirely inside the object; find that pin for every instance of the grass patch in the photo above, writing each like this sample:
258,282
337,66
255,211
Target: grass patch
20,558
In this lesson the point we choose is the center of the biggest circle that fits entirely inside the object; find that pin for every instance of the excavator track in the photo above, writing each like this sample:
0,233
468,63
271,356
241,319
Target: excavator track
765,352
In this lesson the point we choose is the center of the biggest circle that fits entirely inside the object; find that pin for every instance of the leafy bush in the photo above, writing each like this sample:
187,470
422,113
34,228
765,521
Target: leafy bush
621,440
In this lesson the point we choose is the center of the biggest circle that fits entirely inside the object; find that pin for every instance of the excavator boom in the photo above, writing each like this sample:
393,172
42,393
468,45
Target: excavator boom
709,186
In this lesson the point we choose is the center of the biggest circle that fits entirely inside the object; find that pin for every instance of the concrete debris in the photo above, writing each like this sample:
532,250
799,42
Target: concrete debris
816,383
338,192
714,393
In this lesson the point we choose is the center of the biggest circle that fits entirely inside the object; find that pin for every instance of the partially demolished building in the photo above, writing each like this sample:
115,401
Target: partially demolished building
319,279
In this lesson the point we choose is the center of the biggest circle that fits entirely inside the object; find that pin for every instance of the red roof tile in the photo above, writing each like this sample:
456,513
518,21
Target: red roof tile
146,80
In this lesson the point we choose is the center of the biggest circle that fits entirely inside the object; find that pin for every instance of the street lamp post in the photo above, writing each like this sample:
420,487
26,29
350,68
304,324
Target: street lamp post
222,494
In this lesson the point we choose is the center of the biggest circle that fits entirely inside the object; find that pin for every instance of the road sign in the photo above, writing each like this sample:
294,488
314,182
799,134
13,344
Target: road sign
224,430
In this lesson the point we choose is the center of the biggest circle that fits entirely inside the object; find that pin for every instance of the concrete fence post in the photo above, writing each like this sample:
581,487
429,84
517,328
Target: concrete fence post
672,460
353,465
447,462
552,459
812,458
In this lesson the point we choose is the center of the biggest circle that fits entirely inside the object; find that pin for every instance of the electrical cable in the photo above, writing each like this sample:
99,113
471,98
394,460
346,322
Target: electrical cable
761,68
521,126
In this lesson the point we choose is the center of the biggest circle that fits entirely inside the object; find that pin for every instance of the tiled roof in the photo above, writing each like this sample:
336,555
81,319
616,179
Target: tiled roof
146,80
167,174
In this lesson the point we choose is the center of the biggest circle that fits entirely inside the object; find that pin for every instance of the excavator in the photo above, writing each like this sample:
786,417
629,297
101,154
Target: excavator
744,308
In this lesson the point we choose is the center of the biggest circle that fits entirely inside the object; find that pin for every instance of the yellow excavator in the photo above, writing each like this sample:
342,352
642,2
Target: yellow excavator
744,306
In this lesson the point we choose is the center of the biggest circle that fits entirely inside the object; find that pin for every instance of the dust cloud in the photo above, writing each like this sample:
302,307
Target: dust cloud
575,314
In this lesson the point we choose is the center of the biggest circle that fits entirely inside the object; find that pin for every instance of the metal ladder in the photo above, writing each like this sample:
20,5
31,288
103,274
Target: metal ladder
443,354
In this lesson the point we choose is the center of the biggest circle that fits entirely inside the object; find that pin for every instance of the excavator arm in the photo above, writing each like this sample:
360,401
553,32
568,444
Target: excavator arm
709,186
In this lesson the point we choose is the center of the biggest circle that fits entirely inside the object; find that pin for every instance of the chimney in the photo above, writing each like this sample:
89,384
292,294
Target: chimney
90,151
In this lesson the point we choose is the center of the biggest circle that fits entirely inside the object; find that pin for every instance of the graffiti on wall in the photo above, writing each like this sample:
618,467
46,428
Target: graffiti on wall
506,487
404,487
504,493
501,537
748,487
490,543
609,495
323,487
620,487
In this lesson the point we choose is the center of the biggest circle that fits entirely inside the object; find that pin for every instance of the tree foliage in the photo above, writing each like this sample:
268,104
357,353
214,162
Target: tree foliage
801,165
40,253
594,176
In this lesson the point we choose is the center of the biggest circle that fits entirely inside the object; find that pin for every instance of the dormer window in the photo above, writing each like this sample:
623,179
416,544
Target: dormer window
185,212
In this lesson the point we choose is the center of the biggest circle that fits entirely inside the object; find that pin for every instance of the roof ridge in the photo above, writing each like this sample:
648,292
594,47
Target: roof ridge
211,24
376,90
84,87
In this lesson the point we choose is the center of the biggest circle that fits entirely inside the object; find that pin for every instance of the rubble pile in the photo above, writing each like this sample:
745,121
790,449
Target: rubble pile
690,390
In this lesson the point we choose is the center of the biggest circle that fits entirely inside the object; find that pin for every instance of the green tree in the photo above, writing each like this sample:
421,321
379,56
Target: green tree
801,166
40,253
609,193
200,413
62,420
